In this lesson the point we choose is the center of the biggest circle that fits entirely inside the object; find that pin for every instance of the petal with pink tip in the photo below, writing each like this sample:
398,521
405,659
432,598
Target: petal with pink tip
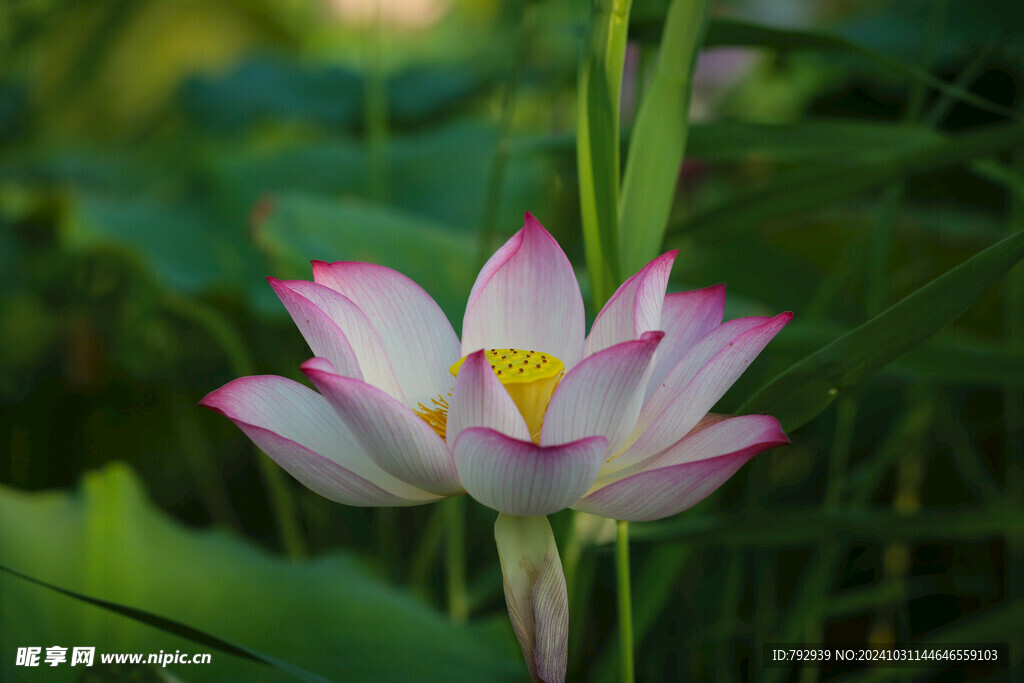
713,436
535,593
522,478
300,431
690,472
634,308
686,317
695,385
526,297
602,395
336,329
480,400
390,434
420,342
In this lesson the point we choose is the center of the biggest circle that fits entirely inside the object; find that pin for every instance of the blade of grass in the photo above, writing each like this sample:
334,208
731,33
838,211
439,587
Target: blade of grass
659,136
597,143
800,393
175,628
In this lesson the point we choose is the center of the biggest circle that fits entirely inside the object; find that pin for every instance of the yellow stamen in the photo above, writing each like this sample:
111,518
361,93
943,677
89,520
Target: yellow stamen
529,377
436,417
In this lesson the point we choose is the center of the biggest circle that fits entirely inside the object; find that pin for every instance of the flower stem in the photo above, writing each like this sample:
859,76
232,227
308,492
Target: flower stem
625,599
455,558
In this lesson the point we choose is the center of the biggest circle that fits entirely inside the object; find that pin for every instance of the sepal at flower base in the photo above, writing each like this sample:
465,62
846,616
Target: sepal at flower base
535,592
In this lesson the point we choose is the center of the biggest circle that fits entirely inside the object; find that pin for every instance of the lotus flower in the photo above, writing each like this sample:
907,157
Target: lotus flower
528,414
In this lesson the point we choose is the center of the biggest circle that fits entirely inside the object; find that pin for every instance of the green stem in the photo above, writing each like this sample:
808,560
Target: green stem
455,558
625,600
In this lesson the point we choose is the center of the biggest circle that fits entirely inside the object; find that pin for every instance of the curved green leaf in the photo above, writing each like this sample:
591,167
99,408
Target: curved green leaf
175,628
803,391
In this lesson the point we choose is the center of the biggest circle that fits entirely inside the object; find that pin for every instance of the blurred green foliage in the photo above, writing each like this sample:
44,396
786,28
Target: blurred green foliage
159,158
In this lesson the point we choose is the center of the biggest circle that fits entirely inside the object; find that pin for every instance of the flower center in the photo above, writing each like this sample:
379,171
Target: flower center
529,377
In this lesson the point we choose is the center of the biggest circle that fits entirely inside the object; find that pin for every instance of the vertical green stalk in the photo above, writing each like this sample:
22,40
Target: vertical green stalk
597,143
659,136
455,558
496,177
376,112
625,600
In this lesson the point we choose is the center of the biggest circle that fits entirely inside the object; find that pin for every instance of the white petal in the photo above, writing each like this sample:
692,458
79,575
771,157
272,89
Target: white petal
634,308
522,478
527,297
686,317
602,395
297,428
696,383
685,474
336,329
420,342
480,400
396,439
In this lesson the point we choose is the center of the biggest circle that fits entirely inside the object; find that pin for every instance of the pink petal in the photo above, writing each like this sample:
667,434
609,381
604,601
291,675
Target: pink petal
688,472
527,297
696,383
480,400
686,317
391,435
297,428
634,308
418,339
602,395
336,329
713,436
535,593
522,478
